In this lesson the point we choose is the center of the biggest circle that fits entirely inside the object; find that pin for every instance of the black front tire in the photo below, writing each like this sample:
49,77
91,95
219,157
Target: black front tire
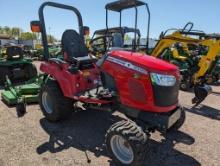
186,82
185,86
180,122
21,109
134,138
60,107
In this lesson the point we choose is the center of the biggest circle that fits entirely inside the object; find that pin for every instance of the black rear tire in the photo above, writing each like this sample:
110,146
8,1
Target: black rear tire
56,107
133,137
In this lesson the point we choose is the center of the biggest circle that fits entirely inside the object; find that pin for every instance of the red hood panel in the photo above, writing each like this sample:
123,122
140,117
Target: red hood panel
149,62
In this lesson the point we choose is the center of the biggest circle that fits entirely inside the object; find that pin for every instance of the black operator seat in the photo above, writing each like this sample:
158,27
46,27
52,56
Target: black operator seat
14,52
76,51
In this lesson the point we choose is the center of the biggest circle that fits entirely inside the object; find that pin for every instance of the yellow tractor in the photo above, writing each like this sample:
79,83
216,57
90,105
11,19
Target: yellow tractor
209,65
196,54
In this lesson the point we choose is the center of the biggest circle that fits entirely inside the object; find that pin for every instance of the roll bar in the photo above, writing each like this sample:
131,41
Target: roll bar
186,31
43,26
190,25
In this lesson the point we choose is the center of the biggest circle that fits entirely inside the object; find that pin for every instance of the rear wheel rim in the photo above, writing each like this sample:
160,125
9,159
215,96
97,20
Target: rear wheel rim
122,149
47,103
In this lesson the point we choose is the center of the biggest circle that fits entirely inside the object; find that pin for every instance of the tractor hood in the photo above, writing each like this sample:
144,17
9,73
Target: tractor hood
150,63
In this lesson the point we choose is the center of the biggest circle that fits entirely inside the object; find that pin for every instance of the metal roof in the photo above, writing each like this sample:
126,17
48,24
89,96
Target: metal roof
120,5
117,29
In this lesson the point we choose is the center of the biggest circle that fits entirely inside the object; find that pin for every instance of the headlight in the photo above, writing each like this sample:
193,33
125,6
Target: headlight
163,80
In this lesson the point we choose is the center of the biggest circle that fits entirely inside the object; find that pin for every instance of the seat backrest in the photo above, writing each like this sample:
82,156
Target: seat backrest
13,51
73,45
117,40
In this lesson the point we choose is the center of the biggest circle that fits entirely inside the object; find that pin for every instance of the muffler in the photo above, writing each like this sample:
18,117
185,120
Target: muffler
201,92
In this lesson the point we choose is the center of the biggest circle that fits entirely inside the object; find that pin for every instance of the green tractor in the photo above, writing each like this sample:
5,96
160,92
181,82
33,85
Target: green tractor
54,51
15,66
20,79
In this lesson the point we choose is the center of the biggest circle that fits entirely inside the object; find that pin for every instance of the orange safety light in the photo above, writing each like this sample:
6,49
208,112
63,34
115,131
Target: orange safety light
35,26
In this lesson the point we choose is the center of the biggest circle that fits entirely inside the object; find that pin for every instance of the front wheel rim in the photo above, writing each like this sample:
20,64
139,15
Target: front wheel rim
47,103
183,86
122,149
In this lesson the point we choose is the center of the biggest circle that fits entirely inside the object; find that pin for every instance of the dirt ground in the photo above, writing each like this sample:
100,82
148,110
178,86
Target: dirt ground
31,140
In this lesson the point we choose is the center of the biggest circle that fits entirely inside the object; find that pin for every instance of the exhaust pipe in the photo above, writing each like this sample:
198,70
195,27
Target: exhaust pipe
201,92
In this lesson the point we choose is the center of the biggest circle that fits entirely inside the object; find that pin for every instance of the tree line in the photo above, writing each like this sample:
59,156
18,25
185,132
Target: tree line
18,33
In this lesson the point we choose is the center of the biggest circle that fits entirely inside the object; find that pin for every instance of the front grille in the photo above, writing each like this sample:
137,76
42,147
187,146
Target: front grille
137,91
166,96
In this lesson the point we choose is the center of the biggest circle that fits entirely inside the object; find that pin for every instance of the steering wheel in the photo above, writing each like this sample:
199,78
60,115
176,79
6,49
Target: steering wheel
101,47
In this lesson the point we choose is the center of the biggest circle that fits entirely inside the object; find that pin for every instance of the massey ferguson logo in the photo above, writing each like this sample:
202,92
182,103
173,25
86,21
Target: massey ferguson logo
127,65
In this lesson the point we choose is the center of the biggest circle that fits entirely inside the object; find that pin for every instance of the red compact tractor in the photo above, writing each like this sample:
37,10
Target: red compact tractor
142,87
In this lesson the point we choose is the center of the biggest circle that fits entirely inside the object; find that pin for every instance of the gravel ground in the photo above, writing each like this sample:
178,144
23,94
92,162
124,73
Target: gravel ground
31,140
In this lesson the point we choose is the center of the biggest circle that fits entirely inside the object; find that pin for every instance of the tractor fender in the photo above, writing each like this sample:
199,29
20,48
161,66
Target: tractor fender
56,73
65,86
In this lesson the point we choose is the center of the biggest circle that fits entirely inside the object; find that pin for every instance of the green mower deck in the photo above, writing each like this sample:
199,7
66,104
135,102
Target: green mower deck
27,92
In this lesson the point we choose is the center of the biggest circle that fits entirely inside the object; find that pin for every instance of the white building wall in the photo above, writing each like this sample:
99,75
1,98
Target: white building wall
5,41
24,42
27,42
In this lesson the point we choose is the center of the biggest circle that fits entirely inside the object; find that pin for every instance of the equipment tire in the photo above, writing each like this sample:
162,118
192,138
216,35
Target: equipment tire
180,122
53,104
126,143
185,86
